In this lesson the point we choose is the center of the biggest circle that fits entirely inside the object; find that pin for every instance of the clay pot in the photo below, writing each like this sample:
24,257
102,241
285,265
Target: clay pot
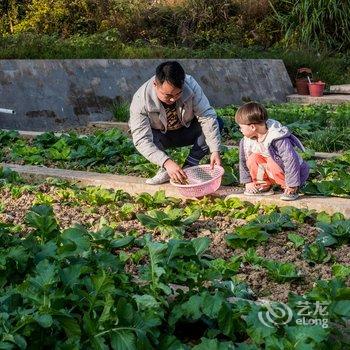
316,88
302,77
301,85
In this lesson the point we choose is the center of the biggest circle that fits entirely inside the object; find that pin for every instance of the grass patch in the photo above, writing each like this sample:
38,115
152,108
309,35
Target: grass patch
121,111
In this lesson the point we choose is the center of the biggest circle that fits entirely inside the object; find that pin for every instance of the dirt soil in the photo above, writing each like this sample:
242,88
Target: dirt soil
278,247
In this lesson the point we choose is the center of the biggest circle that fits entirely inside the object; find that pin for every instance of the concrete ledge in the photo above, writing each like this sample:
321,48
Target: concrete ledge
135,185
105,125
305,99
340,89
324,155
330,205
31,134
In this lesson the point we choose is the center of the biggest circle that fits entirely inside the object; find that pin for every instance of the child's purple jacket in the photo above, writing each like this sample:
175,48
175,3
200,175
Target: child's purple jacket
282,151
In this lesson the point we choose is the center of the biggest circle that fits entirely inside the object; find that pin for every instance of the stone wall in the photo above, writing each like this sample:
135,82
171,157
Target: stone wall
56,94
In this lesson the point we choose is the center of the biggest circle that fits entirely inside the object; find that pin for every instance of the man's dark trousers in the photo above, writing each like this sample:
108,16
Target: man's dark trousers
192,135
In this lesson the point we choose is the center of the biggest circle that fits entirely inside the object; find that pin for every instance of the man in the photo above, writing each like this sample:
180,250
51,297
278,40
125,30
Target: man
170,110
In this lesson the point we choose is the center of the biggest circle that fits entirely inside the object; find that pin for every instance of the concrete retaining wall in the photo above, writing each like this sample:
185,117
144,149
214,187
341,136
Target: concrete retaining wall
56,94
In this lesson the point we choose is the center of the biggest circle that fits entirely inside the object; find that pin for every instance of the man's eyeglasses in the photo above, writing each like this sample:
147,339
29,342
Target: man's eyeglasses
169,96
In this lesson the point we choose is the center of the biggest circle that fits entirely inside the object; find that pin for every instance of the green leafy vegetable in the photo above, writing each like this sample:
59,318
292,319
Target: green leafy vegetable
170,222
296,239
246,236
316,253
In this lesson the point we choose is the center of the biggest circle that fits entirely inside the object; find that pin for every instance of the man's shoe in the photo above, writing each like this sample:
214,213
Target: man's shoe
161,177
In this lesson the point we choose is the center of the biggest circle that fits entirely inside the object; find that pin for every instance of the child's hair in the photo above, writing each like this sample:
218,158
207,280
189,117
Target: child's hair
251,113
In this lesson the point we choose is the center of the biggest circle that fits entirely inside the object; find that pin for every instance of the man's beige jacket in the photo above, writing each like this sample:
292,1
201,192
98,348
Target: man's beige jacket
147,113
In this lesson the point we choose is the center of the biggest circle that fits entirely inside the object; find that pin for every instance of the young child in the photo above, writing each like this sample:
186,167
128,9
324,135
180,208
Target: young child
267,155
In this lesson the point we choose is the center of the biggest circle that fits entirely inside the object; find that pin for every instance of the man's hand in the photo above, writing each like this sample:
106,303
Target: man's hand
175,171
215,159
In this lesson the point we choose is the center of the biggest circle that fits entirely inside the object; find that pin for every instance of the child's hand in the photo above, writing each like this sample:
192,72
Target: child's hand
290,190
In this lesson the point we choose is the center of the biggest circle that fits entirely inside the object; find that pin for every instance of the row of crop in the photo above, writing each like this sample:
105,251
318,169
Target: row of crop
66,289
162,215
323,128
71,288
111,151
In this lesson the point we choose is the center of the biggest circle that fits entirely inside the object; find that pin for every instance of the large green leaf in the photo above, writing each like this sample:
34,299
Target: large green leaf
18,254
306,337
69,325
107,306
296,239
147,220
246,236
192,218
156,253
342,307
213,344
122,242
42,218
102,284
48,250
70,275
75,241
257,330
45,275
123,340
201,244
316,253
282,272
145,302
45,321
340,271
273,223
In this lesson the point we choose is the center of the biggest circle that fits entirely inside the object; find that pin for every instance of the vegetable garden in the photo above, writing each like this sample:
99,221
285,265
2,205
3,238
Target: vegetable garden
321,127
113,152
91,268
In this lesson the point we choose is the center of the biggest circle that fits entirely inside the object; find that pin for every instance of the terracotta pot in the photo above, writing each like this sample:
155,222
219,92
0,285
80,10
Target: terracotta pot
302,77
301,85
316,89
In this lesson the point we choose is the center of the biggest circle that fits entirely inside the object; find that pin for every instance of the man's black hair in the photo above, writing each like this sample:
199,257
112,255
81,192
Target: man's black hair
172,72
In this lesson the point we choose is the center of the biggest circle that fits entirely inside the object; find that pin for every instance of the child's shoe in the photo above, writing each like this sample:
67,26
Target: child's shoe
259,191
290,196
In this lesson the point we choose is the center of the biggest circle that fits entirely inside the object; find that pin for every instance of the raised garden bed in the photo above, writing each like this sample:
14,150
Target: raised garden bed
323,128
136,185
92,268
113,152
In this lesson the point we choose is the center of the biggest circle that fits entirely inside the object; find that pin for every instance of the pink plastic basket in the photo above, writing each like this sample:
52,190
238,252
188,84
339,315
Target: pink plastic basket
201,180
